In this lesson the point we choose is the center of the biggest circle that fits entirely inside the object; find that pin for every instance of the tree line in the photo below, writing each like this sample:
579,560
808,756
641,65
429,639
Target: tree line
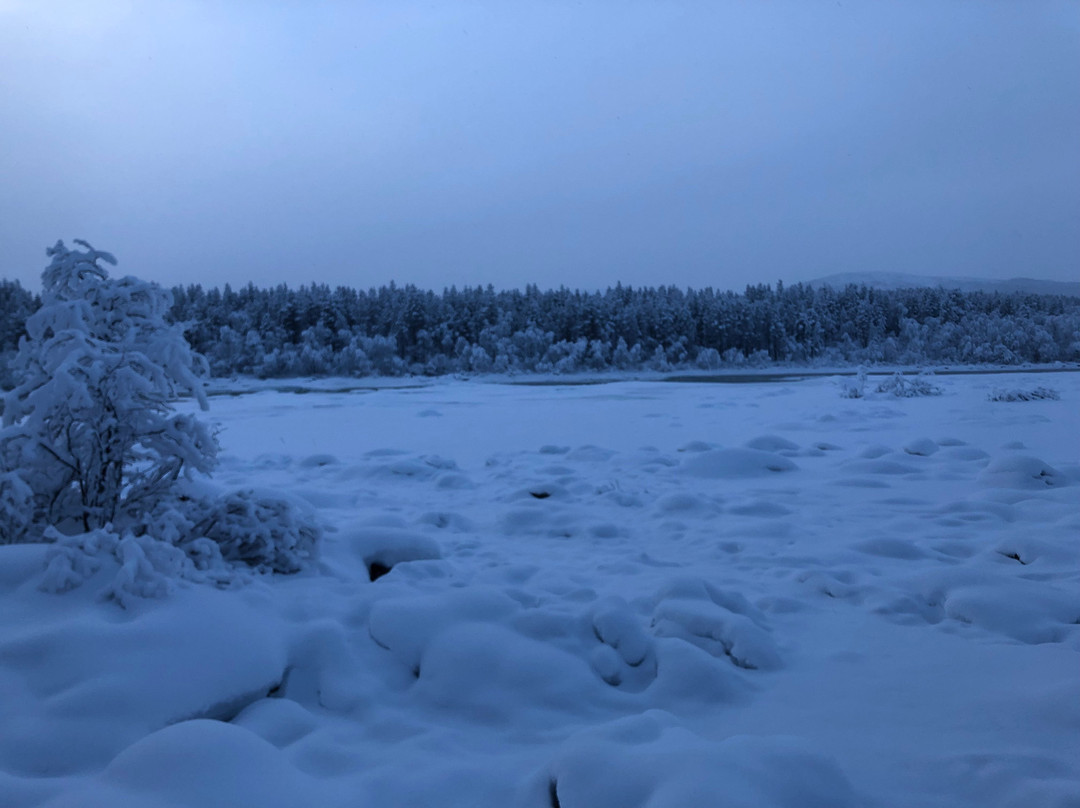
317,330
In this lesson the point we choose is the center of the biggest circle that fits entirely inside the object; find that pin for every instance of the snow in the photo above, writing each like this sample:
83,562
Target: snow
632,594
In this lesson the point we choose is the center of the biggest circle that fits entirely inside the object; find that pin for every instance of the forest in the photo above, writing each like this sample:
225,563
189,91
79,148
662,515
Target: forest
316,330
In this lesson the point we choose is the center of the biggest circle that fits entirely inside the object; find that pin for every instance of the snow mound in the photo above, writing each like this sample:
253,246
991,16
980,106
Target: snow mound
879,466
722,463
541,519
698,446
490,674
965,453
202,653
316,461
888,547
772,443
874,452
921,447
199,763
687,503
1021,471
590,454
1025,611
544,490
722,623
281,722
407,626
382,548
759,507
627,655
398,464
1019,610
646,762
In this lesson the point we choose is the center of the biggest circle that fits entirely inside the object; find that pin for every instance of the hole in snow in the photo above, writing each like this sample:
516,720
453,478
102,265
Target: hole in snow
553,794
377,570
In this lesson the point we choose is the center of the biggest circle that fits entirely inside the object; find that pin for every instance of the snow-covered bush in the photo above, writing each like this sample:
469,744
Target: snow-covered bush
137,566
258,528
94,457
262,529
89,426
146,567
733,356
1036,394
903,386
708,359
16,507
853,387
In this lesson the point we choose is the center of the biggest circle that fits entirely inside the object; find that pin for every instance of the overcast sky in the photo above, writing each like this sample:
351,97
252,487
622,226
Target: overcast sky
509,142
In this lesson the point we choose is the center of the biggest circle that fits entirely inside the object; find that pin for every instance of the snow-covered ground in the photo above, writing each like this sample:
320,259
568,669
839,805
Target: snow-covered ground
637,594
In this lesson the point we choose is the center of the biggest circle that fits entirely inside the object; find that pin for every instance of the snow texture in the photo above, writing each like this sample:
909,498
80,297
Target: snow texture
632,595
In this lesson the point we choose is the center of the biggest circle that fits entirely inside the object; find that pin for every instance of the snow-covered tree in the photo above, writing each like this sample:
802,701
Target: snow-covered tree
395,330
89,434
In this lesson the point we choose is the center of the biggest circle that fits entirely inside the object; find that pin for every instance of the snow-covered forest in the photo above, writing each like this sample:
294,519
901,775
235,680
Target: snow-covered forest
315,330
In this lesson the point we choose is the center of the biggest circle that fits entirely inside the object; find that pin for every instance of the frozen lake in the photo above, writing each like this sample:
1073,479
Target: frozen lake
628,594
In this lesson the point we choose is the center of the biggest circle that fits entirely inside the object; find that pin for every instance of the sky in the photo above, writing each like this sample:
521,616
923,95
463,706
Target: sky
713,143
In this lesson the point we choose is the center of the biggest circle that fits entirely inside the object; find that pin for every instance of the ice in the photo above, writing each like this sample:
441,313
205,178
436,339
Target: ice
641,594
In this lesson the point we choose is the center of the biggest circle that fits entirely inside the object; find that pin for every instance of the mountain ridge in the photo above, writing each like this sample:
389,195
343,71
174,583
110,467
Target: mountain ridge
899,280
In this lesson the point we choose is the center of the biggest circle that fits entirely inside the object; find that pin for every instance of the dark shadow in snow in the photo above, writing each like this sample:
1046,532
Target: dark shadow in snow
377,569
553,794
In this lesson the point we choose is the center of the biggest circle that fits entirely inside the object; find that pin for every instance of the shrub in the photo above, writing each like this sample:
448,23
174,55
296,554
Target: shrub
16,507
262,529
853,387
903,386
89,427
1036,394
94,458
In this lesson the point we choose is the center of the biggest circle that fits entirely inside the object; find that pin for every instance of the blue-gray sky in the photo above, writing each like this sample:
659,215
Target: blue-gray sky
710,143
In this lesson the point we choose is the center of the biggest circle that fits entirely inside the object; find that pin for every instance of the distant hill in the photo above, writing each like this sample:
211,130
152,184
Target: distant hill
897,280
